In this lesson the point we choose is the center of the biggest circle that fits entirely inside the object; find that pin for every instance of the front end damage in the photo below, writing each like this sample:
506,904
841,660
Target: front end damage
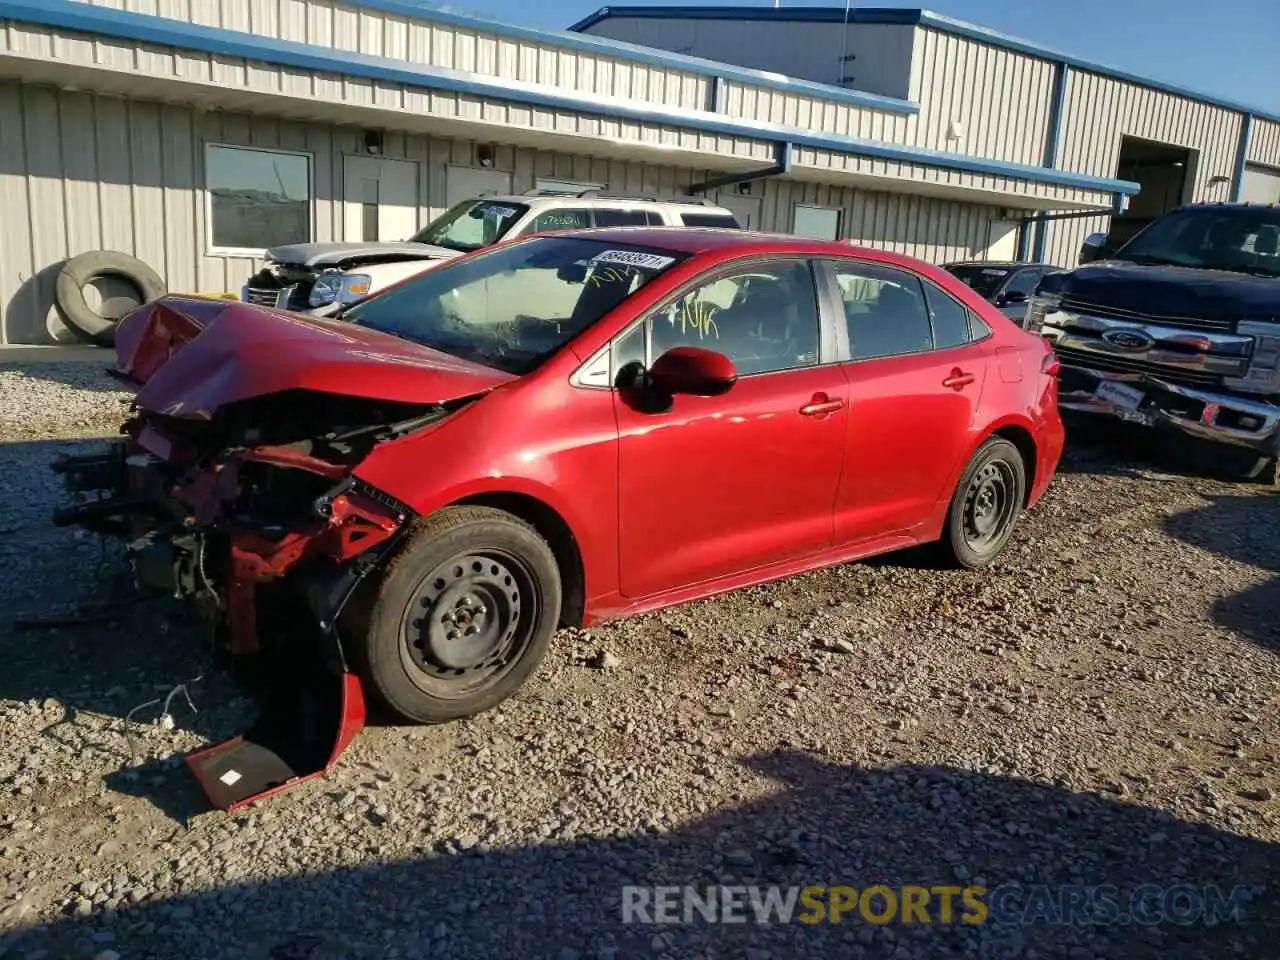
250,514
269,541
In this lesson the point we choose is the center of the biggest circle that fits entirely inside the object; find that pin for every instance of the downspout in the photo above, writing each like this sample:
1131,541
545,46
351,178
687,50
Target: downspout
1053,145
1242,157
781,167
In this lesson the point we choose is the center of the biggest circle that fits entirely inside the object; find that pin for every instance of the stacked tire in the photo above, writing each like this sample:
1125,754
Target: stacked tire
77,273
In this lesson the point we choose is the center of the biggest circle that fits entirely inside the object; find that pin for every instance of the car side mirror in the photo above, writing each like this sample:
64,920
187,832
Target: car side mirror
1093,247
1013,296
693,371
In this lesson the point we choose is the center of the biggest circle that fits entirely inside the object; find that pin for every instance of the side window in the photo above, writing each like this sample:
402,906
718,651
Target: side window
655,219
885,310
763,318
606,217
627,349
978,329
949,318
563,219
723,220
1024,281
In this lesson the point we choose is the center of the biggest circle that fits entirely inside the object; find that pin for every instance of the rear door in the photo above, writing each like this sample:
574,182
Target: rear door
916,377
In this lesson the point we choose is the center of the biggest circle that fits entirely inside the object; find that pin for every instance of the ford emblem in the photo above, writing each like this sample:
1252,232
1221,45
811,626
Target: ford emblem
1128,340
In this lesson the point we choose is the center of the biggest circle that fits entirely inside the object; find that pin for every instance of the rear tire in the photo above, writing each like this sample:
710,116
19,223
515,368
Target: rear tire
986,505
463,616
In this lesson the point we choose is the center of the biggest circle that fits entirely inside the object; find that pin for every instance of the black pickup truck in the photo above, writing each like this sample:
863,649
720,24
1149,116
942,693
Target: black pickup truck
1178,328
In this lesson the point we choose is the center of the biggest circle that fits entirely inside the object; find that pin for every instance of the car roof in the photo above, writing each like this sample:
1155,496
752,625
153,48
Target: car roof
604,199
699,240
1007,264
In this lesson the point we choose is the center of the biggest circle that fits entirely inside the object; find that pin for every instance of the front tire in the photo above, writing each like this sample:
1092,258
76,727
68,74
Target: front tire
986,505
463,616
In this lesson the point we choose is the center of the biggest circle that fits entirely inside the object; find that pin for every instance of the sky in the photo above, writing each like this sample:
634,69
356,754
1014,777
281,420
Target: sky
1226,48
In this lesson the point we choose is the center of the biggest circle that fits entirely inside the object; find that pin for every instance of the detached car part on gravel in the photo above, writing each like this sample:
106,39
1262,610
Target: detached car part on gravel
410,498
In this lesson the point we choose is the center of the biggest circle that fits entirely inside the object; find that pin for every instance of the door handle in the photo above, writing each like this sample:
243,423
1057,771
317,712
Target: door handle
958,379
821,405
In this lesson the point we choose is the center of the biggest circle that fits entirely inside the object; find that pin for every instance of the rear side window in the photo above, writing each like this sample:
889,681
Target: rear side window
885,310
620,218
949,318
564,219
710,220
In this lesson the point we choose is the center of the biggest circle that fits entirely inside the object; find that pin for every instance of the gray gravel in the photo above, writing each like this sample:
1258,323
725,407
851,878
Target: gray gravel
1099,709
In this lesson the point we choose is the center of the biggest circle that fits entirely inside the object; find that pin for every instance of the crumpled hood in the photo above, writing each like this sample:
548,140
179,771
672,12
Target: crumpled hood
331,254
1167,291
194,356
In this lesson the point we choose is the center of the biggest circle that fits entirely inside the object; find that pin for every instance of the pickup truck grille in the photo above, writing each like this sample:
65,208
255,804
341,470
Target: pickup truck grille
1208,324
270,292
1107,363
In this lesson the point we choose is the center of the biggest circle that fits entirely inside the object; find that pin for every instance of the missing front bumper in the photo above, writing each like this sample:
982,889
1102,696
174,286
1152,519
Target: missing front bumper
1148,401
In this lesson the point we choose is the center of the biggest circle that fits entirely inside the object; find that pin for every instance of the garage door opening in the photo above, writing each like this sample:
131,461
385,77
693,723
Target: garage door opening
1164,173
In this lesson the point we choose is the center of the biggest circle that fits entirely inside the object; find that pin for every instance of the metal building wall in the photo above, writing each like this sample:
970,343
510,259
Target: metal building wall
1001,99
1099,110
79,173
933,230
1264,144
813,51
436,43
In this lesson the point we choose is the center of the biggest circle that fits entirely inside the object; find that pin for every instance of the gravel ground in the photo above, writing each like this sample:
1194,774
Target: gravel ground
1097,709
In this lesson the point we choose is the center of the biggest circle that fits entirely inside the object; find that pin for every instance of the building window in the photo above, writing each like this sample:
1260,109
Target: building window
817,223
257,198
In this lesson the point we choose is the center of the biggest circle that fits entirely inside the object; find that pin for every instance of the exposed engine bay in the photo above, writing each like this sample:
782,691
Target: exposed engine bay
232,488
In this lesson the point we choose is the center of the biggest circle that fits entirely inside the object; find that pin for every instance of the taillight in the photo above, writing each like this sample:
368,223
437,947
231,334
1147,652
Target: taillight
1050,365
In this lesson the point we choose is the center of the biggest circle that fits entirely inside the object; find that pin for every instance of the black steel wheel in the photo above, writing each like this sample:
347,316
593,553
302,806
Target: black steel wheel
471,619
986,505
463,616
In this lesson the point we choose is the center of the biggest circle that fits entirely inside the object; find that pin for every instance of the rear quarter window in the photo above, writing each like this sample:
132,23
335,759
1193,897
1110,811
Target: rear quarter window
723,220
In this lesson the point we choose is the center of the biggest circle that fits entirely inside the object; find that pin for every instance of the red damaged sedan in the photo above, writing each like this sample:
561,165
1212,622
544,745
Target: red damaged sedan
562,430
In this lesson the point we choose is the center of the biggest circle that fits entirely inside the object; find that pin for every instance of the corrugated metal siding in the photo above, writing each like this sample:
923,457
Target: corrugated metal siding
1000,98
936,231
812,51
419,40
80,173
231,73
1264,144
1100,110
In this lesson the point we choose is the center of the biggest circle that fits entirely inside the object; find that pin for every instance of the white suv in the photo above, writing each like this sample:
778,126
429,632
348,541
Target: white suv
321,278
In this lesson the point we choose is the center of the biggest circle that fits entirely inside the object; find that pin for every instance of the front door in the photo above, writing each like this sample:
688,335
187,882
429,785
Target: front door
915,380
717,485
380,199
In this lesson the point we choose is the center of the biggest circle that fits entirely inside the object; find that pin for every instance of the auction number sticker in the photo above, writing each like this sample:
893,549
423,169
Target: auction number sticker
634,258
500,212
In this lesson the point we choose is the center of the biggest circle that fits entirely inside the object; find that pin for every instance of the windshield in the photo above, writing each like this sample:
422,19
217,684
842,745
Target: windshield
471,225
513,307
984,280
1243,240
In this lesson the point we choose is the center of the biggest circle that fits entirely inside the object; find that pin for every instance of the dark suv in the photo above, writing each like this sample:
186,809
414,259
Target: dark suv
1178,328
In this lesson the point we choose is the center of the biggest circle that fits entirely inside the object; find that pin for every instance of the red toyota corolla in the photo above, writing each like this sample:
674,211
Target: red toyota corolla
566,429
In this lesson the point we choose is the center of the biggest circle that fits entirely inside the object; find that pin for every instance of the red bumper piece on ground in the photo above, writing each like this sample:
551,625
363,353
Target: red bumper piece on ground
302,731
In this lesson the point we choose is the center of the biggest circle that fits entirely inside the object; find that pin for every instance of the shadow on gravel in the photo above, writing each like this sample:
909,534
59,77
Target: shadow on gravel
1106,448
1067,875
1243,529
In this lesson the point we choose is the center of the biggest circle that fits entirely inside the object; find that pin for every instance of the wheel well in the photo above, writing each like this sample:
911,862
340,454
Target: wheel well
1022,439
559,537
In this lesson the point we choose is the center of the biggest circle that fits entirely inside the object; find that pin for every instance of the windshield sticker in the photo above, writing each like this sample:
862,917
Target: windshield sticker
634,258
497,211
994,273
